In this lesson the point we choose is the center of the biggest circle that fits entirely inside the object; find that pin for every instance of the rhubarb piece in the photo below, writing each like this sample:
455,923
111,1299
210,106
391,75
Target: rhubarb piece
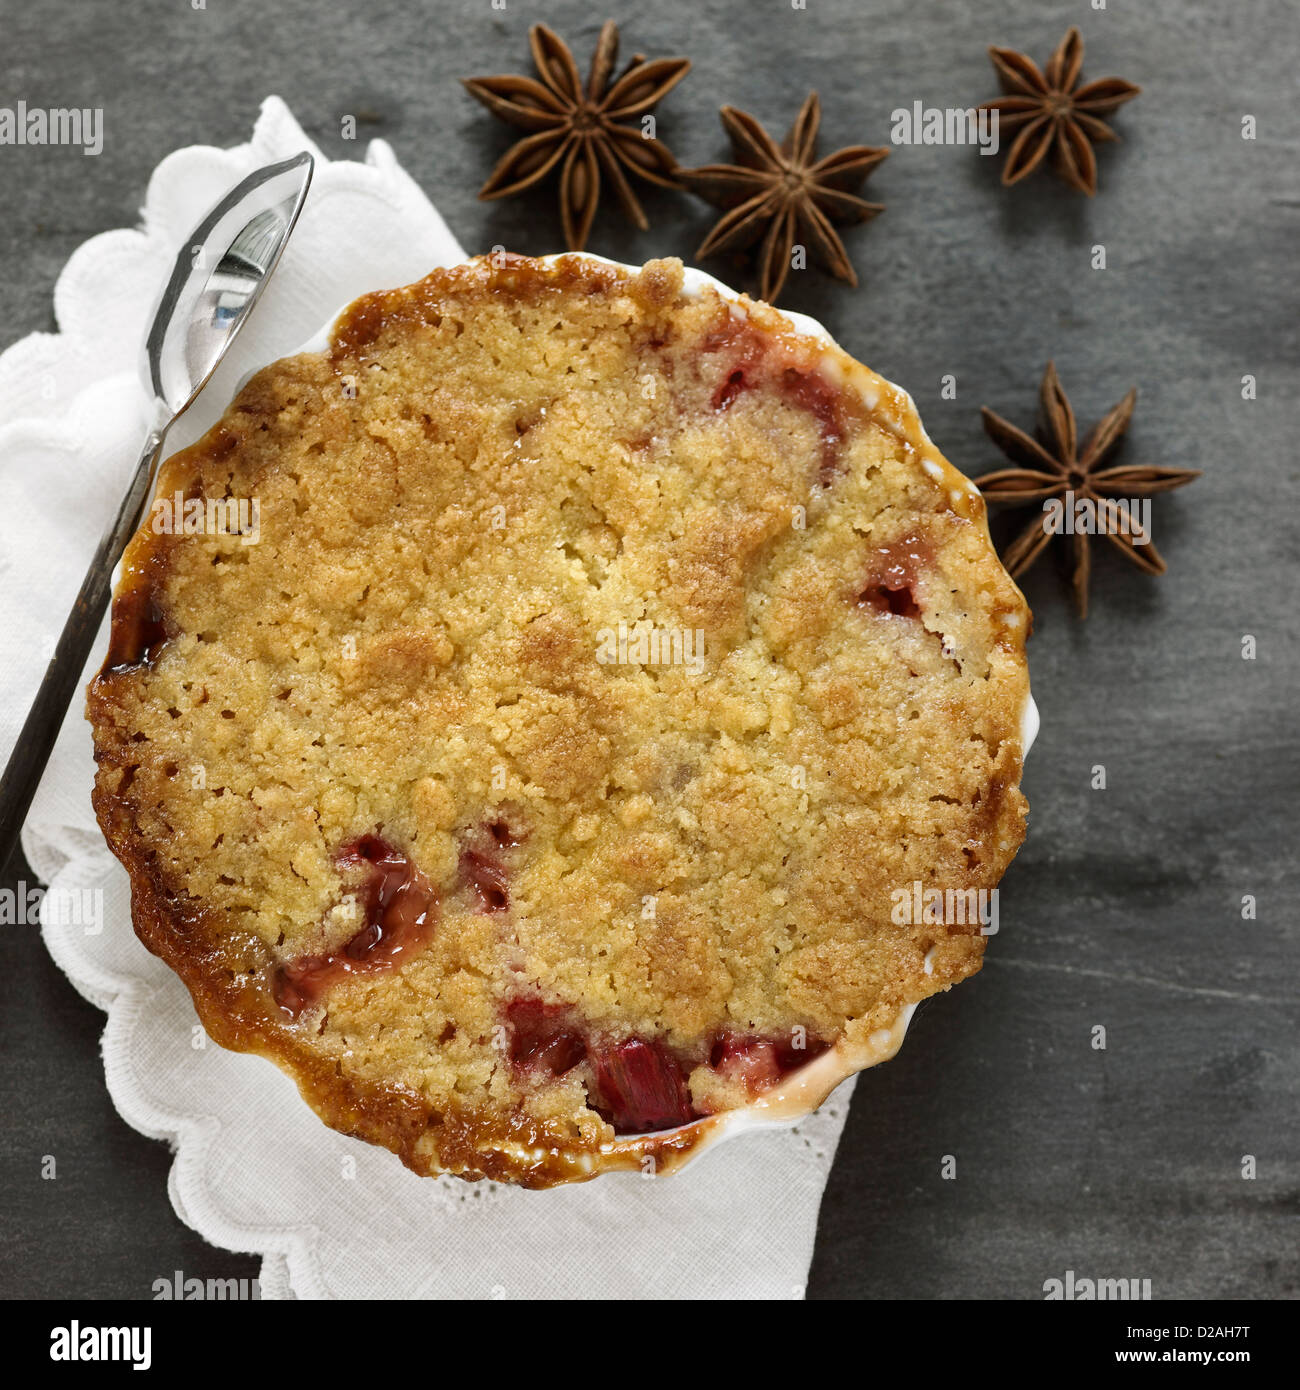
640,1086
502,833
755,367
790,1056
810,391
750,1061
893,577
399,911
483,867
745,348
489,879
759,1063
541,1038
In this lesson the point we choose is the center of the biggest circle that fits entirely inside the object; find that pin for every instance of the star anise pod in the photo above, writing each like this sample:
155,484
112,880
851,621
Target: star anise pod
580,128
775,191
1059,465
1054,114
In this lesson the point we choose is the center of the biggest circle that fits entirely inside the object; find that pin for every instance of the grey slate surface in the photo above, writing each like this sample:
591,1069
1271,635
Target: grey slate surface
1124,908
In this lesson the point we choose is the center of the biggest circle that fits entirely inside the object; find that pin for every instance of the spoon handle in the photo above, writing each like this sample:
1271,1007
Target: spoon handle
32,751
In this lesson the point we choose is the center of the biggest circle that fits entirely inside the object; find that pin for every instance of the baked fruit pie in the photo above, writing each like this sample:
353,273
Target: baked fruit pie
538,789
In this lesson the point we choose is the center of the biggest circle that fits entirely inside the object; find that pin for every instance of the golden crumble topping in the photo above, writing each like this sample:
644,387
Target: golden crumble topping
546,764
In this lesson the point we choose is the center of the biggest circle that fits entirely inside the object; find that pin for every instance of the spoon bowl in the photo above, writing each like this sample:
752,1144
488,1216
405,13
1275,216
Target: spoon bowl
216,281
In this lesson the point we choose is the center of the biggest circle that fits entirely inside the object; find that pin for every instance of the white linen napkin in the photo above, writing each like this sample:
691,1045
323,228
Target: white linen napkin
255,1170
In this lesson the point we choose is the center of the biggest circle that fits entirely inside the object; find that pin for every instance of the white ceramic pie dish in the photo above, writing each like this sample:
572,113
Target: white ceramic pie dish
802,1091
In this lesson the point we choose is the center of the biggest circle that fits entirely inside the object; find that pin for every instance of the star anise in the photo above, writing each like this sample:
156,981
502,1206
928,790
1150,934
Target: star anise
775,191
1054,114
1059,465
579,128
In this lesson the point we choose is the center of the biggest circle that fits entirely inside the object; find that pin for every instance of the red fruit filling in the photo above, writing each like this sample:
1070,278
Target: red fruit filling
482,865
811,391
753,366
503,835
488,877
745,349
640,1086
734,334
399,911
893,577
730,389
759,1063
541,1038
751,1061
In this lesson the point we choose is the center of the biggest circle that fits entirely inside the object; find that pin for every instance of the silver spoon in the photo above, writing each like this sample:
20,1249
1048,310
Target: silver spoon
218,277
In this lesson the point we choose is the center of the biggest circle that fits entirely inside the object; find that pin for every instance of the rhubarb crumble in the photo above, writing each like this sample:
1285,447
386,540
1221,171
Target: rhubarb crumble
543,781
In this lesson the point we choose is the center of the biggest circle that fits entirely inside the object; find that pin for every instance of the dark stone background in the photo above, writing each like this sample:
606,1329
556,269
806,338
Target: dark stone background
1124,908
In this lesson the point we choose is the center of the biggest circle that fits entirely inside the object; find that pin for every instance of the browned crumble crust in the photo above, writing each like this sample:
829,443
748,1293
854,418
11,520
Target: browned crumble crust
489,470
